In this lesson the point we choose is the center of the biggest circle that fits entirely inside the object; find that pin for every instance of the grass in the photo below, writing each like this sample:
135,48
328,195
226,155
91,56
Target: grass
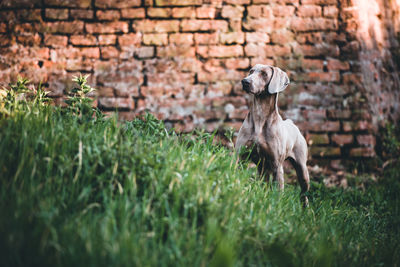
79,190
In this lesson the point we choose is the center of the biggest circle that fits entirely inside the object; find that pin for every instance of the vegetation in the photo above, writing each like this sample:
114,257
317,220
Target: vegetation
79,189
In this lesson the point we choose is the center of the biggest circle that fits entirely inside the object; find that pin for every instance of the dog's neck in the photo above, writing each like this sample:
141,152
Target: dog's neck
264,111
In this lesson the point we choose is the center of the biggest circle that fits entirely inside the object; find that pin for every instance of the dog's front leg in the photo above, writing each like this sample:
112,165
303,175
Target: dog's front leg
279,176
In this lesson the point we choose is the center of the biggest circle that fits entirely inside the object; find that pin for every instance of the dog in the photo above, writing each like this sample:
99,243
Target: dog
270,139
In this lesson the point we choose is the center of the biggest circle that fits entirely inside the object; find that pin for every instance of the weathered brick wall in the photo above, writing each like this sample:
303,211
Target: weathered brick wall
183,60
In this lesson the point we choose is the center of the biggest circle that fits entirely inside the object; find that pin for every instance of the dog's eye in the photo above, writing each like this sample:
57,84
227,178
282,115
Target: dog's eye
251,71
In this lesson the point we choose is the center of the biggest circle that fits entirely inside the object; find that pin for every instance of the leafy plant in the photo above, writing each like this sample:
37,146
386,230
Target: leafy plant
78,101
19,98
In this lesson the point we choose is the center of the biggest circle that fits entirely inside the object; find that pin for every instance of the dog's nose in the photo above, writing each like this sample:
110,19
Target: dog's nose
246,85
245,82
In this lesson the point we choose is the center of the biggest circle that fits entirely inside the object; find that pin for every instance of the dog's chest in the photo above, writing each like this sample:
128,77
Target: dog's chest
260,145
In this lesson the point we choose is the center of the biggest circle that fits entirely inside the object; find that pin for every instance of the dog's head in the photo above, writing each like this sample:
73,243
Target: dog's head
265,79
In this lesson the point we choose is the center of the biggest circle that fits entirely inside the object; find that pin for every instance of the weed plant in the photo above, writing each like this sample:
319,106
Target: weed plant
98,192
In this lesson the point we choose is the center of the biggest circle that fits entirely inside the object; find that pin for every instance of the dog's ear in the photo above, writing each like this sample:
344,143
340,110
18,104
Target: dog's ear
279,81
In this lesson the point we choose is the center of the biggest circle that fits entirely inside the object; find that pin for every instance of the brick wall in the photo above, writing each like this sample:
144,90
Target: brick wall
183,60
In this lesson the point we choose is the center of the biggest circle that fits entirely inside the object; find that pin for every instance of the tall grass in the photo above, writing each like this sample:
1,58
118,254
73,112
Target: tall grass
98,192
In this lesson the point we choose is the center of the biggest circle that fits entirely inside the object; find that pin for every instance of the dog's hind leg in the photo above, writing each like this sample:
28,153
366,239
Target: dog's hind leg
303,178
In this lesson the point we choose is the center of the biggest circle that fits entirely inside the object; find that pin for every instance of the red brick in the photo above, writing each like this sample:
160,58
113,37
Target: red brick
313,24
55,40
116,102
319,2
25,15
232,38
108,14
107,27
254,50
324,151
319,77
265,25
105,91
342,139
81,14
309,38
203,25
357,126
283,11
312,64
158,26
315,114
366,140
232,11
235,25
220,51
178,2
130,39
259,11
329,126
257,37
133,13
362,152
156,12
90,52
309,11
317,139
176,51
183,12
339,114
206,38
40,52
155,91
352,78
109,52
3,27
62,27
205,12
317,50
29,39
145,52
220,88
68,3
181,38
23,28
79,65
334,64
103,67
107,39
281,37
85,40
63,53
189,65
220,75
176,79
117,3
331,12
238,114
59,14
237,2
237,63
155,39
277,50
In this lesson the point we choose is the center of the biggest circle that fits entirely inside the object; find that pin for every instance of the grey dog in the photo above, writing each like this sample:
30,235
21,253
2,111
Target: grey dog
270,139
